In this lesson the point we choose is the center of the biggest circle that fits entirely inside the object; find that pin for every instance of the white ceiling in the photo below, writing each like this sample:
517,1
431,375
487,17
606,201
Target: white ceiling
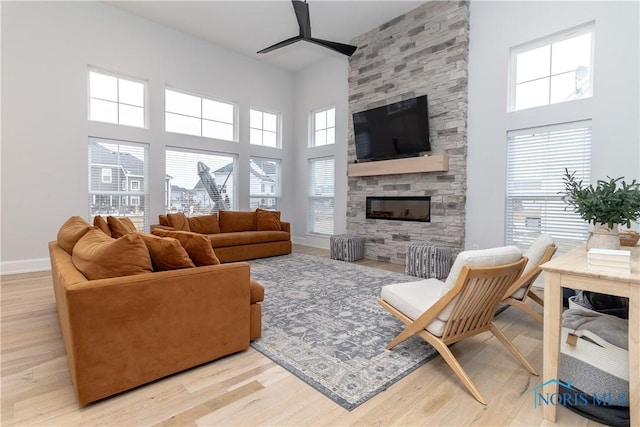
248,26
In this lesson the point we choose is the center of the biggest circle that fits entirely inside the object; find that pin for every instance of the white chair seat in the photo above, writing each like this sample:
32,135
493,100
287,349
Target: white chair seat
414,298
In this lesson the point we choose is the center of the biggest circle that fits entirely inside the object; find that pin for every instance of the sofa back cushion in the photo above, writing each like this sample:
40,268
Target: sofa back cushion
197,245
268,220
71,231
162,219
204,224
102,224
98,256
166,253
233,221
120,226
178,221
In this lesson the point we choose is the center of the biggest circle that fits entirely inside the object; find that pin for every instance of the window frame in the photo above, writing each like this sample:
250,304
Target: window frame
311,198
278,185
549,40
276,133
118,77
314,130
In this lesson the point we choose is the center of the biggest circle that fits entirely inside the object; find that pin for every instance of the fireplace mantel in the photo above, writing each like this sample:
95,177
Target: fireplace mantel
433,163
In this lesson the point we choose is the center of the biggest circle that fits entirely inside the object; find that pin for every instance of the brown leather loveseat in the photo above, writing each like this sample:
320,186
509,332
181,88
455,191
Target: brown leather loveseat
125,323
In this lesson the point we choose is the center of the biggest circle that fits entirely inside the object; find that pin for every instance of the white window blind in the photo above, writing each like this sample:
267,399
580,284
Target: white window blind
321,195
199,182
128,164
264,183
263,128
195,115
117,100
324,127
537,159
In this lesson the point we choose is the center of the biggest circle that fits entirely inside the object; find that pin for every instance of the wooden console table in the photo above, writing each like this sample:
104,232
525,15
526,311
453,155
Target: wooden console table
570,270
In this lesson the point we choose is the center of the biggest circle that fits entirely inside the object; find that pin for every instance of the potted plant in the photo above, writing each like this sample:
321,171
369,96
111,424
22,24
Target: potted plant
606,205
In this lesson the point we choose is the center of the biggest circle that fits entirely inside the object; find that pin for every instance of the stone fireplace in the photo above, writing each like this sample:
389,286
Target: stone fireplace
398,208
423,52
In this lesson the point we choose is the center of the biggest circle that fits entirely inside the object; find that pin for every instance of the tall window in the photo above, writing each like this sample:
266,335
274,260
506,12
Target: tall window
126,163
264,183
552,70
324,127
536,162
199,182
263,128
195,115
321,195
115,99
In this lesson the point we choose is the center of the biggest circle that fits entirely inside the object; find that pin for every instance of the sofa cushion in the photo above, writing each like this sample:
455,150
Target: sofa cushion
120,226
256,290
98,256
166,253
197,245
178,221
231,221
204,224
268,220
224,240
101,223
71,231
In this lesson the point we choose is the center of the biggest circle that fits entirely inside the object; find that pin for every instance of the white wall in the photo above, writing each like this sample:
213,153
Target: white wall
321,85
614,108
46,48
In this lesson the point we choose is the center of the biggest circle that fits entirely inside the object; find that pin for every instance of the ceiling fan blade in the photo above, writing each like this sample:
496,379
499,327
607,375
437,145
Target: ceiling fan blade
302,15
283,43
345,49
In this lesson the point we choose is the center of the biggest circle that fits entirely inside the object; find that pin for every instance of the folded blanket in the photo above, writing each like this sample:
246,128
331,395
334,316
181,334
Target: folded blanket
603,329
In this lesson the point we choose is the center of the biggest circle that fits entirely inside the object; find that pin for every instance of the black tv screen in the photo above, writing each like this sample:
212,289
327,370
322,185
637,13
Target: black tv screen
396,130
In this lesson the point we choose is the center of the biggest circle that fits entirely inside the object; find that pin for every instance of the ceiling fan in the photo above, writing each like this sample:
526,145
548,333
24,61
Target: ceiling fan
301,9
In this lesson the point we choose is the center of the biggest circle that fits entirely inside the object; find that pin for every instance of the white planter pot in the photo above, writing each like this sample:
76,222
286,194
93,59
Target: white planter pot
603,237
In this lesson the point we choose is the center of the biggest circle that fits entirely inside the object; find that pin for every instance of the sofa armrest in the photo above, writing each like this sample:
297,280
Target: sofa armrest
286,226
130,330
161,227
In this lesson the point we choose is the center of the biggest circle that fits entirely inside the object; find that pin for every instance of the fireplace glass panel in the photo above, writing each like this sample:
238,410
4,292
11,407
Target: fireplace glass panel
399,208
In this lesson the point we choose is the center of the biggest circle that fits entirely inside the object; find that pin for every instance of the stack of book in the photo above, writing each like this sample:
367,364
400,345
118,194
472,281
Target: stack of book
609,260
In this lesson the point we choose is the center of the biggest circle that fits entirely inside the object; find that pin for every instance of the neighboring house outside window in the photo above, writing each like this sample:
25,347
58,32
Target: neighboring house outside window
555,69
324,127
321,195
200,116
199,182
536,161
135,185
127,162
114,99
264,183
106,175
263,128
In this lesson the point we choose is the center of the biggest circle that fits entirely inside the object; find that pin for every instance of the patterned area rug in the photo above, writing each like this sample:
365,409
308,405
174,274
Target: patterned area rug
321,321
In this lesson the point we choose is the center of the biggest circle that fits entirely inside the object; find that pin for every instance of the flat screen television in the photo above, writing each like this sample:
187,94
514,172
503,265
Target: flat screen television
396,130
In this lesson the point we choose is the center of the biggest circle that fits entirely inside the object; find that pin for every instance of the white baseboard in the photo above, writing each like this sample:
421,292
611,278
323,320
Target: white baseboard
312,241
24,266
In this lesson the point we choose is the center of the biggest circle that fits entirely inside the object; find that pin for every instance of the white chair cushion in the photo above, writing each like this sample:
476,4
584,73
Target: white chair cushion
414,298
534,254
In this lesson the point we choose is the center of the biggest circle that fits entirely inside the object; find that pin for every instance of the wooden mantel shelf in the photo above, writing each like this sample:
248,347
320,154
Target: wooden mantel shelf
433,163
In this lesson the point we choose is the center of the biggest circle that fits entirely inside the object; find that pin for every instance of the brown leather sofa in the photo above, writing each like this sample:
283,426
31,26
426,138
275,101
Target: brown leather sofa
235,235
121,332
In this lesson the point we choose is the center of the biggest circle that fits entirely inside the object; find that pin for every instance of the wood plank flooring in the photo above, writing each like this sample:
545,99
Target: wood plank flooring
248,389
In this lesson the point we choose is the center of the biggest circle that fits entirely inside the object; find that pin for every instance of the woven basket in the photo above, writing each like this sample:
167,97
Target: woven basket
629,238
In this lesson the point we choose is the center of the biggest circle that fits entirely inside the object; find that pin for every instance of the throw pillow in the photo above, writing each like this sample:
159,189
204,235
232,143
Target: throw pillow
71,231
204,224
101,223
98,256
166,253
178,221
268,220
197,245
232,221
120,226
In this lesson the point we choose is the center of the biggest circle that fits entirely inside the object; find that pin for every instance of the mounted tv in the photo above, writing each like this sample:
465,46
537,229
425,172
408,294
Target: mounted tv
396,130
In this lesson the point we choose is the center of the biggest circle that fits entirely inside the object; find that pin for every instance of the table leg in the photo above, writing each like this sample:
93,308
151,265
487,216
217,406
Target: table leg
551,338
634,354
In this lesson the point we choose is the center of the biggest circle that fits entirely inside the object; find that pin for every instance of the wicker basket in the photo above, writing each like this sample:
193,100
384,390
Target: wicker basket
629,238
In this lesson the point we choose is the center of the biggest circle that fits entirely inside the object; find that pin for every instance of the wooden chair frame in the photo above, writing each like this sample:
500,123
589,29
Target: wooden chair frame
527,279
478,290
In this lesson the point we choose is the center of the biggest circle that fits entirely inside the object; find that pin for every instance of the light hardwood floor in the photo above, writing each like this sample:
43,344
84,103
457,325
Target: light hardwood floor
249,389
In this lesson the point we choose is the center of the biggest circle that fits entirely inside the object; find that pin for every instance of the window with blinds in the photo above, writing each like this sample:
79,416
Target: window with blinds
118,180
195,115
199,182
537,158
264,183
321,195
114,99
